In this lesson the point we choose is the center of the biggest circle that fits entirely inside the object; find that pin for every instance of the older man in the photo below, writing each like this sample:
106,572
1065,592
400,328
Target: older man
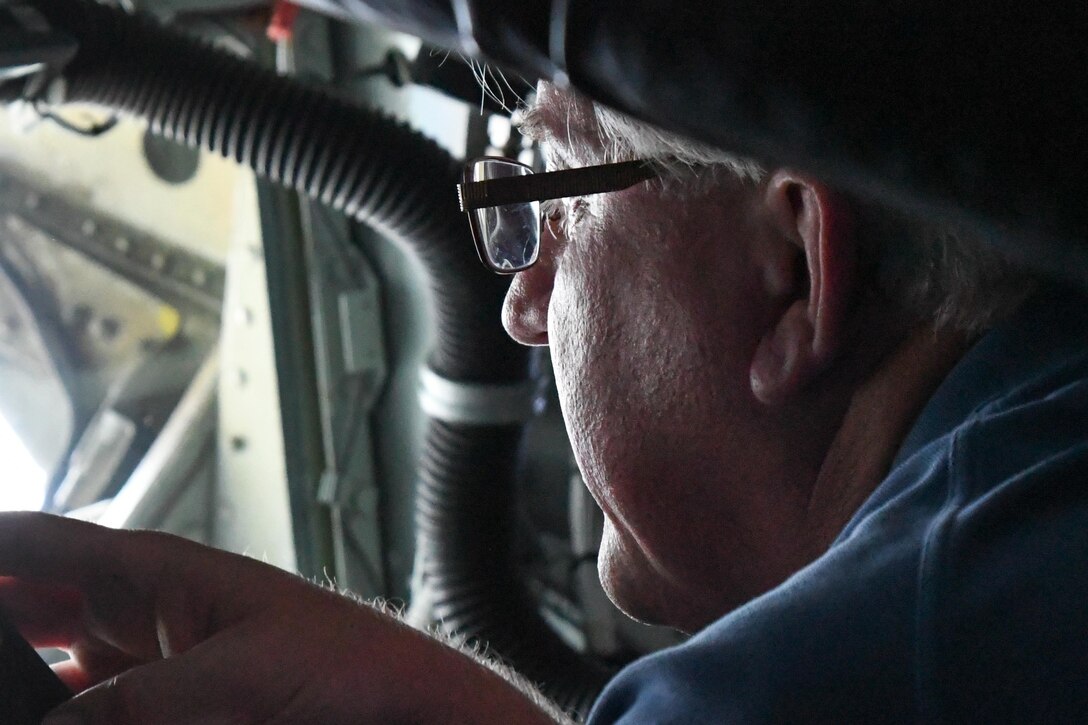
832,441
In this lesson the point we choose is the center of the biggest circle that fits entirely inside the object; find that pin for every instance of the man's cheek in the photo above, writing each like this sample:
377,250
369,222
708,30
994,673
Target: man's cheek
574,349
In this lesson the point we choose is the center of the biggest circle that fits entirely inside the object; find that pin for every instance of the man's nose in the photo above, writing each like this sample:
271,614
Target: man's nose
525,312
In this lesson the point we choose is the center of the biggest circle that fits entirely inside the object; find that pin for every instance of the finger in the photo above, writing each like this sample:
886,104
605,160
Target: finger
41,547
146,593
115,573
56,550
46,616
73,676
74,586
231,678
93,665
53,617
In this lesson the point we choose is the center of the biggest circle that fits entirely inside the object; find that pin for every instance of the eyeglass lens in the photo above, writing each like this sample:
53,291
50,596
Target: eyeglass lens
510,234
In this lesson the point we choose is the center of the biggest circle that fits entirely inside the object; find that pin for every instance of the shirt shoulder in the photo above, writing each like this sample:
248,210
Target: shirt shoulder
956,593
1003,626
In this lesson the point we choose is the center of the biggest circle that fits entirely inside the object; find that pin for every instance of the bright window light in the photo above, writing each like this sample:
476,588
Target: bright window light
22,480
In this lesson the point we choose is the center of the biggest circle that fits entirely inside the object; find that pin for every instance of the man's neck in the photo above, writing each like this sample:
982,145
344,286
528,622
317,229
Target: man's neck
878,417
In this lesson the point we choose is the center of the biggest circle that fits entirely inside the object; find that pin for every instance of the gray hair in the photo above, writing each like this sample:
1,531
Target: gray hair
932,270
623,137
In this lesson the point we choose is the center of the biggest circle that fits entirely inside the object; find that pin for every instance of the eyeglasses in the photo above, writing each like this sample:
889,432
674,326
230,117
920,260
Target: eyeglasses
502,199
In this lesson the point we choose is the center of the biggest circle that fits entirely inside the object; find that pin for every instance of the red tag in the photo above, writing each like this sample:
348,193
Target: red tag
282,25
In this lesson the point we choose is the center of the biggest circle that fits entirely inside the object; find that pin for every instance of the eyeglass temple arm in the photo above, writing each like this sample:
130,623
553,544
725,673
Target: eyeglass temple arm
553,184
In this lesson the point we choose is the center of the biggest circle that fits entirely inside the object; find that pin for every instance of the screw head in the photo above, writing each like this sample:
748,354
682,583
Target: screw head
107,328
9,328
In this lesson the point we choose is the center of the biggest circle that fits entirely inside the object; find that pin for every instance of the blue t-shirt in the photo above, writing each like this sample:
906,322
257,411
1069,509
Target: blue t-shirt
959,590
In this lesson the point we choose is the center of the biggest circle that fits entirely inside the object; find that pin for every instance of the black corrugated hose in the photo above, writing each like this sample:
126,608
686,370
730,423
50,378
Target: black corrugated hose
382,173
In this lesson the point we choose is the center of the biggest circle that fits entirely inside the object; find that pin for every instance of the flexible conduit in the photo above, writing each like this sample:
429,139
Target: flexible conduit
382,173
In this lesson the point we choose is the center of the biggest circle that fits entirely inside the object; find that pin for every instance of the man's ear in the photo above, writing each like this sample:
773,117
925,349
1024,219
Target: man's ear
815,225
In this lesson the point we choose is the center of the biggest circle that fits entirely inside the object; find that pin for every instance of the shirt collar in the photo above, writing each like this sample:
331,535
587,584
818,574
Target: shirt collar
1043,336
1035,341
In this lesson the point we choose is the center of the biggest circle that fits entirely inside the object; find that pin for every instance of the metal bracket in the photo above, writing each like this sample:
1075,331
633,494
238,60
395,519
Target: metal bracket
178,277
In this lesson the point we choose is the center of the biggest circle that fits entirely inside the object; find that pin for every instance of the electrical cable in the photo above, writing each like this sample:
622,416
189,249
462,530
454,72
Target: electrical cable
94,130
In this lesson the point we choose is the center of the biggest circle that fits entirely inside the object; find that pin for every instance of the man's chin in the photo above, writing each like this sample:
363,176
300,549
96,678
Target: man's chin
628,580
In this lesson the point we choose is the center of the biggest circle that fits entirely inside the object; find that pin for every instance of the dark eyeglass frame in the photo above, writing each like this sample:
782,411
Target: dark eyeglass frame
584,181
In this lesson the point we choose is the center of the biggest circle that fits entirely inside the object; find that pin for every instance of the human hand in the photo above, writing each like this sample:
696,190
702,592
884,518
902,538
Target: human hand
163,630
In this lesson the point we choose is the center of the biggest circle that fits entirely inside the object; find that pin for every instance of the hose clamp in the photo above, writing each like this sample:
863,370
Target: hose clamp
451,401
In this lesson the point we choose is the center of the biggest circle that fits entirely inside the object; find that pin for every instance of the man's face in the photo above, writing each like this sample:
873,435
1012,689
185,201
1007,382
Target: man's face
653,307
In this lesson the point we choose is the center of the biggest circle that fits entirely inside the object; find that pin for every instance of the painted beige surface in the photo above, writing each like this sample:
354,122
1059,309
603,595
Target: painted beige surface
110,174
